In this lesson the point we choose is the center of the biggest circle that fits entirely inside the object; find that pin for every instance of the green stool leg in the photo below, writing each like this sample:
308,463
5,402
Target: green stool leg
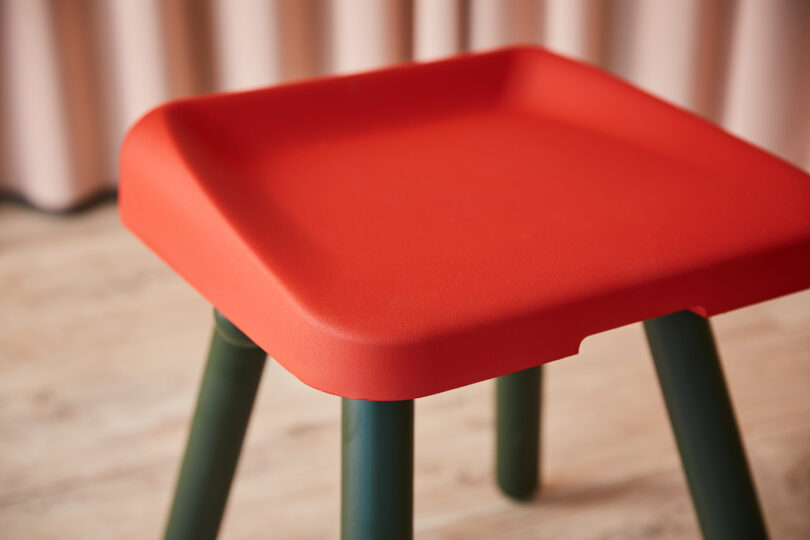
517,452
224,405
705,429
377,470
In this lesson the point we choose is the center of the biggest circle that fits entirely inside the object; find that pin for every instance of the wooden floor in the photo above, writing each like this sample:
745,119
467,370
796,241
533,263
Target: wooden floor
101,350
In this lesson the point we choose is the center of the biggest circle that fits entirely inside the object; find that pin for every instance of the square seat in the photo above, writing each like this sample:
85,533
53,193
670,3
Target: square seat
398,233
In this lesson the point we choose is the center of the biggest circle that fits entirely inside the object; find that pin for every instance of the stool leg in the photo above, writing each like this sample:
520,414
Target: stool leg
705,429
377,470
225,401
517,450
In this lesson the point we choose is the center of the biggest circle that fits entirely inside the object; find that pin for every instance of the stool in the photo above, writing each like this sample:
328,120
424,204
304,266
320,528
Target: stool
394,234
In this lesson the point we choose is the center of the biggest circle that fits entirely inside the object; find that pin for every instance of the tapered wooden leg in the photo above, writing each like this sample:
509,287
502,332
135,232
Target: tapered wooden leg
705,429
377,470
225,401
518,397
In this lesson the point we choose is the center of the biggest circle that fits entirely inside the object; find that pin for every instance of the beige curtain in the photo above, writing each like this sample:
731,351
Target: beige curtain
74,74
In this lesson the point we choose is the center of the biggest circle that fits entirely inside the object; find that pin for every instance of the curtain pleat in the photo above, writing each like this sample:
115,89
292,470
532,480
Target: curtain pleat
494,23
768,93
575,28
367,34
440,28
247,43
35,123
75,75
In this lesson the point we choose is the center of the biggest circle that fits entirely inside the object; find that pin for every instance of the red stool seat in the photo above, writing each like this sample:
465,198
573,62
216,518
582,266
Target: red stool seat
395,234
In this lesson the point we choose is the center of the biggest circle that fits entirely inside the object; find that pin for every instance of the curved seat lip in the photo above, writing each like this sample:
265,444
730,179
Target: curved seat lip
319,321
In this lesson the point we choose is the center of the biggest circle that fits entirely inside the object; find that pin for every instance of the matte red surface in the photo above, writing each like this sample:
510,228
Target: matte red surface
399,233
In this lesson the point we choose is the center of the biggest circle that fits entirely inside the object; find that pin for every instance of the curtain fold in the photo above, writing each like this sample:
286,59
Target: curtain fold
75,75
